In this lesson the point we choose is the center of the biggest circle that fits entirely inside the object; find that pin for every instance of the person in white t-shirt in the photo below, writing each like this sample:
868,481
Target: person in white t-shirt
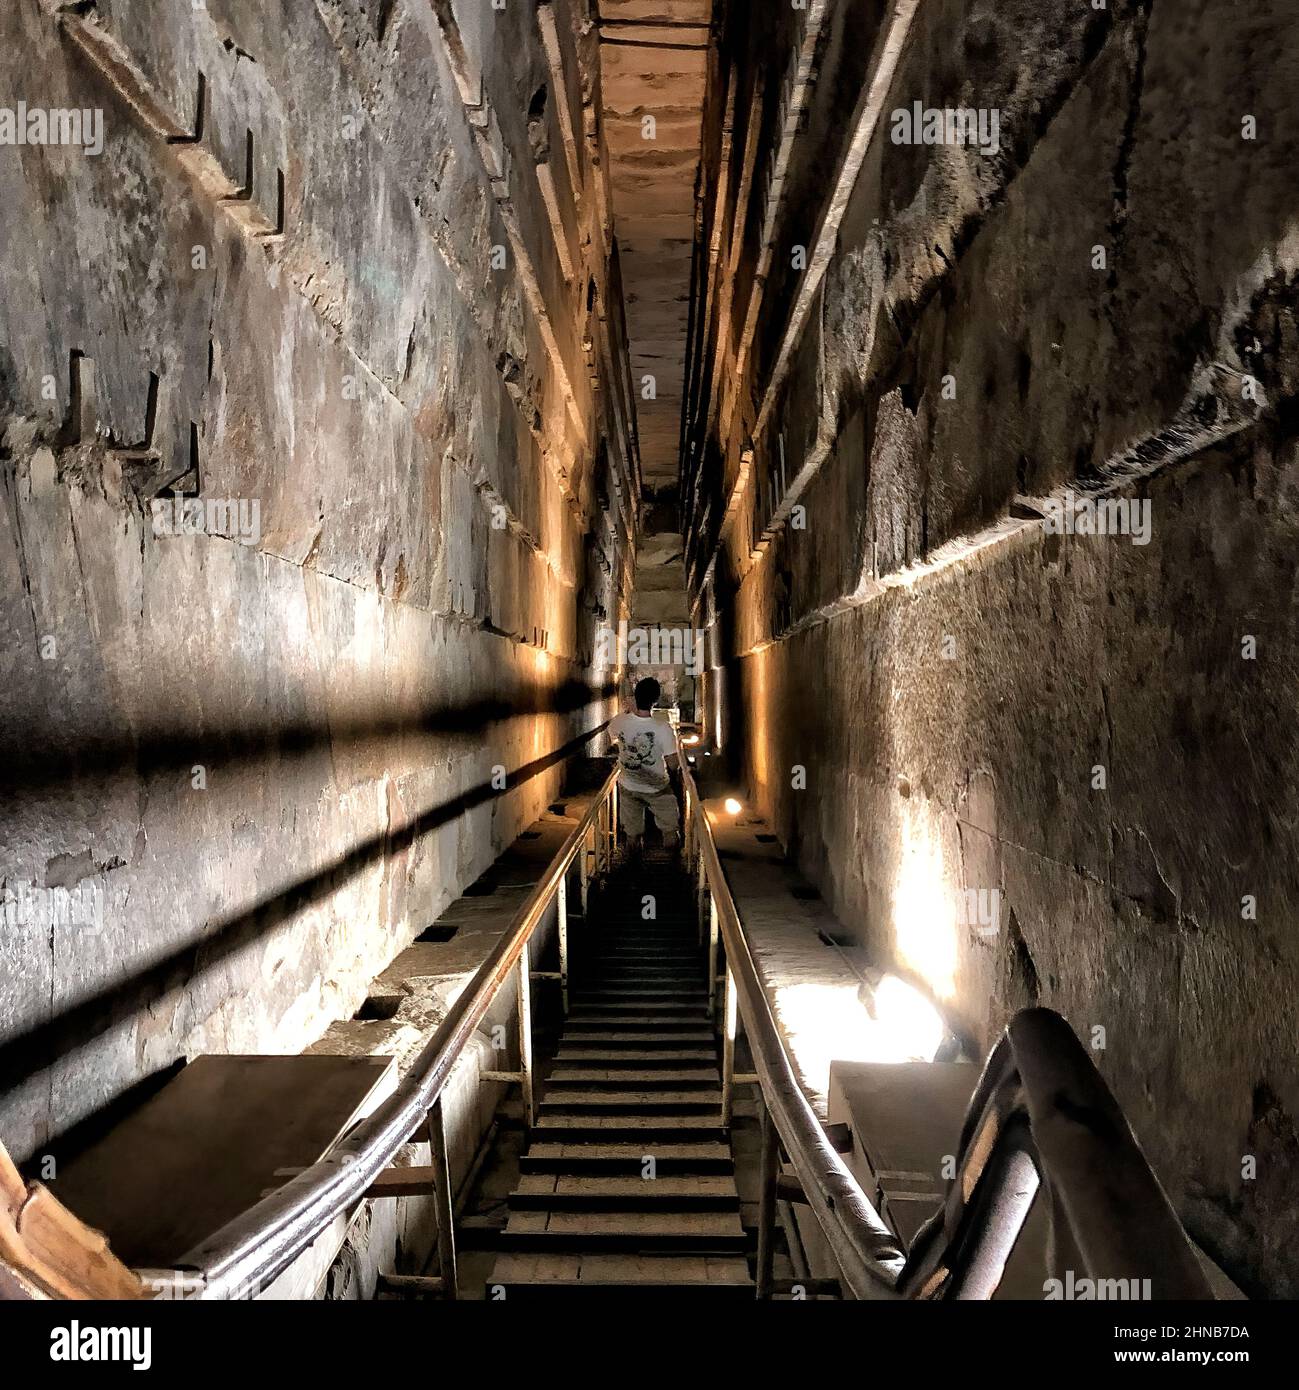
647,758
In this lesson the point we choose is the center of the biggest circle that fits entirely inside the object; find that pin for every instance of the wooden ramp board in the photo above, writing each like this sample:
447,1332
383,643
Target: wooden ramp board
906,1119
211,1143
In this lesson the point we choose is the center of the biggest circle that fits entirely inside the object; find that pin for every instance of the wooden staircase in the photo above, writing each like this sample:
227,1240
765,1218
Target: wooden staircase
628,1183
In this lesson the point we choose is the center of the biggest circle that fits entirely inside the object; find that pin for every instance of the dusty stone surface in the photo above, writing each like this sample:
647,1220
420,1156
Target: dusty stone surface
949,676
272,764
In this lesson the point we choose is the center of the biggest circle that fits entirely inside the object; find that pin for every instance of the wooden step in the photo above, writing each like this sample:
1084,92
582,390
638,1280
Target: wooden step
627,1186
632,1231
647,1000
687,948
681,948
646,979
620,1033
573,1056
613,1192
650,996
576,1101
694,977
611,944
651,976
574,1159
653,1010
693,987
686,939
693,1011
672,1024
558,1093
569,1129
643,1079
653,955
532,1276
591,994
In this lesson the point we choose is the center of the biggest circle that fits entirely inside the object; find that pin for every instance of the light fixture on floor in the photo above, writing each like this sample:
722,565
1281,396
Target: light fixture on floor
733,807
910,1028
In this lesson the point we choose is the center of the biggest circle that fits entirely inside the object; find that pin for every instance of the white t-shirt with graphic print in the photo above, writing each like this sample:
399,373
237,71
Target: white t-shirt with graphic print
643,746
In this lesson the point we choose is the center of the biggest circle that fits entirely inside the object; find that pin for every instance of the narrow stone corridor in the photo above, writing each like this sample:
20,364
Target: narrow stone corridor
906,390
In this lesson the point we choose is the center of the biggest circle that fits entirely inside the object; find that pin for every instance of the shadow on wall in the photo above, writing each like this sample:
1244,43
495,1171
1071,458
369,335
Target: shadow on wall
32,762
32,1052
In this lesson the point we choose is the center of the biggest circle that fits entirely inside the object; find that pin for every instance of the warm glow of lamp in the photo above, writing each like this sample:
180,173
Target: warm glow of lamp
923,919
733,807
690,740
828,1023
910,1028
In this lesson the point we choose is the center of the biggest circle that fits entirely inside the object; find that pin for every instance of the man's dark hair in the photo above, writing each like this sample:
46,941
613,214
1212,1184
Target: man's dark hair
647,693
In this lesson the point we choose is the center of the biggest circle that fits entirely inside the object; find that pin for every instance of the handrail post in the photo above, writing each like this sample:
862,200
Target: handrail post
701,890
712,956
561,924
444,1208
767,1204
525,1039
613,824
585,874
253,1248
728,1049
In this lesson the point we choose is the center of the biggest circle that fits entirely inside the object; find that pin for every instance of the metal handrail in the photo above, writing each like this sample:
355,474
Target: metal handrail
867,1252
246,1254
1040,1116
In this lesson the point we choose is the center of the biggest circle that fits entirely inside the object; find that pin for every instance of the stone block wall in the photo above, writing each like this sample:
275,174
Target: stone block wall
930,694
312,283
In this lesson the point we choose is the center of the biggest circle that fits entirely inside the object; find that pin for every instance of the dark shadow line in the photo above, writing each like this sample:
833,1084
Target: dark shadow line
27,1054
96,1126
30,760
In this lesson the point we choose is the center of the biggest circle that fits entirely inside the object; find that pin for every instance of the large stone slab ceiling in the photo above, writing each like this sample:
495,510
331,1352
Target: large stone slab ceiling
654,57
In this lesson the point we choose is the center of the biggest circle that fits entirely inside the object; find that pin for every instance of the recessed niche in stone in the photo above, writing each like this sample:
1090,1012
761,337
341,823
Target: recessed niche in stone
378,1008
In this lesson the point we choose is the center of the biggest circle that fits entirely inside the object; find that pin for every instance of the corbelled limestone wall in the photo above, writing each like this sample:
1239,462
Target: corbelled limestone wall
1029,766
333,295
